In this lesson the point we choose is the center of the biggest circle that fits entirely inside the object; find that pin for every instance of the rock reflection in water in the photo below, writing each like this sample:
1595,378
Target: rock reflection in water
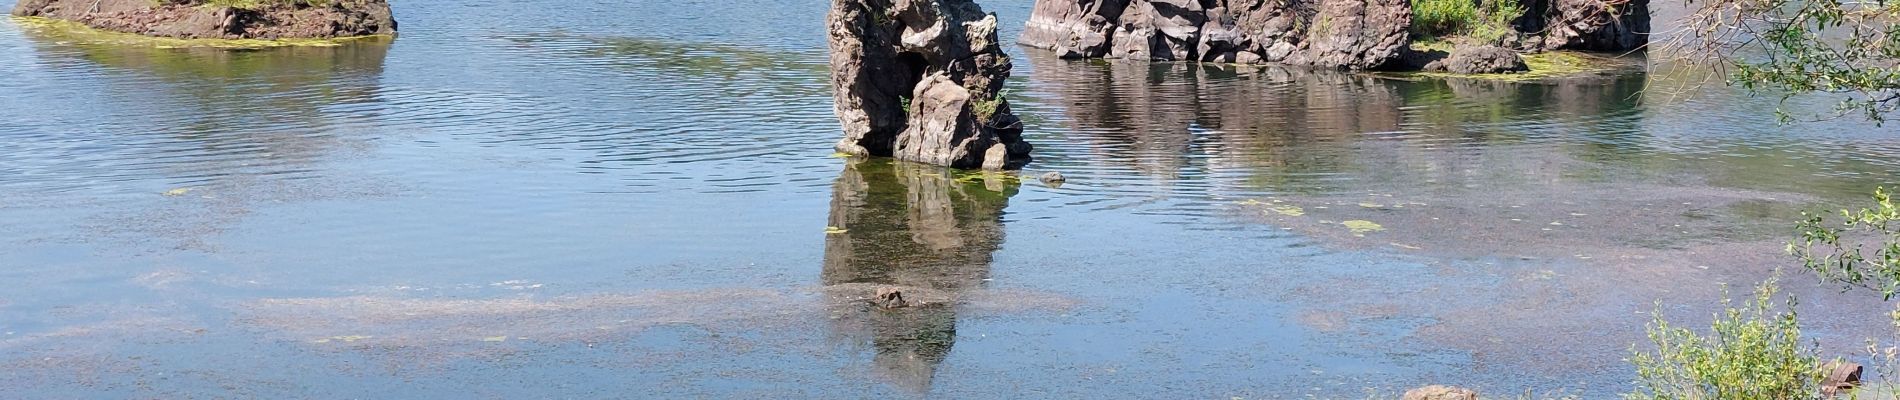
1296,130
921,228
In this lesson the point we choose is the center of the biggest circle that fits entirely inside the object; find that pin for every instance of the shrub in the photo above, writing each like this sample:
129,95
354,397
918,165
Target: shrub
1753,351
1437,18
1835,252
1486,21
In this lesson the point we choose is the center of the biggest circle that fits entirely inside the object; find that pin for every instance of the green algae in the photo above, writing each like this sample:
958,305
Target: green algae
77,33
1543,65
1287,210
1361,227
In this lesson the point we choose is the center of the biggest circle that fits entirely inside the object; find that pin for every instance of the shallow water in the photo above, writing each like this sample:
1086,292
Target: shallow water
617,200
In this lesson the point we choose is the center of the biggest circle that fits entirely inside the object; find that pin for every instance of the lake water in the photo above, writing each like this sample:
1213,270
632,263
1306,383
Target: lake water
540,199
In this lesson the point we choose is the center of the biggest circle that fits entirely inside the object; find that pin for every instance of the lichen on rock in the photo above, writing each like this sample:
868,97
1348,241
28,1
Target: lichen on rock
922,80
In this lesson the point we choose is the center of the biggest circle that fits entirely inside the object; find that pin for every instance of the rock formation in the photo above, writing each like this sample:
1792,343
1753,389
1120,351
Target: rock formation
1352,34
1594,25
196,19
922,80
1480,60
1347,34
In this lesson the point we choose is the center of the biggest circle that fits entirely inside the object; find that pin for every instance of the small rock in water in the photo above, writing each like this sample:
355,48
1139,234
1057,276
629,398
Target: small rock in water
1440,392
890,297
1053,177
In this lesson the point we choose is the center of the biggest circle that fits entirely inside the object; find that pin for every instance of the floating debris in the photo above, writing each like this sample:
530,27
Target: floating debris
177,192
832,230
502,338
1361,227
1287,210
345,339
840,155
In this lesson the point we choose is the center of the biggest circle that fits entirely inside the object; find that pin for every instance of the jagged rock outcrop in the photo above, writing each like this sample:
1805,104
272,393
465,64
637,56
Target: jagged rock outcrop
1480,60
196,19
1351,34
922,80
1594,25
1348,34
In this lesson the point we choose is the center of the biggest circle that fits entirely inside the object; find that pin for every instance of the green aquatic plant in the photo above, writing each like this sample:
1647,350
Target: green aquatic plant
1752,351
1287,210
1004,177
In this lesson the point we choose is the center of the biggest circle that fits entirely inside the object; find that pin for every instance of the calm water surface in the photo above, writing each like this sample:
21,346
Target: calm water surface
609,199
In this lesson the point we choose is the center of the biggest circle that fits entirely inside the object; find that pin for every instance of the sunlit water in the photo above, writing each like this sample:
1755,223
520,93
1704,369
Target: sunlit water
568,199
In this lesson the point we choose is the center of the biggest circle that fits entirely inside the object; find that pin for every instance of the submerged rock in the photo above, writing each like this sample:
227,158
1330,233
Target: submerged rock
889,297
1480,60
922,80
1440,392
198,19
1053,177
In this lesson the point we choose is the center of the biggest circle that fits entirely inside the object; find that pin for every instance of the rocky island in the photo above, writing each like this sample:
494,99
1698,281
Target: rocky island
222,19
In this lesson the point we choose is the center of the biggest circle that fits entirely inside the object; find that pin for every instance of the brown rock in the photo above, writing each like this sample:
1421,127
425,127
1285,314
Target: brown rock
921,80
1841,375
890,297
1596,25
1440,392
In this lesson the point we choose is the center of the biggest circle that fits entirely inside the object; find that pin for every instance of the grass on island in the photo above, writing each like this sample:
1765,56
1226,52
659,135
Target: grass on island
74,32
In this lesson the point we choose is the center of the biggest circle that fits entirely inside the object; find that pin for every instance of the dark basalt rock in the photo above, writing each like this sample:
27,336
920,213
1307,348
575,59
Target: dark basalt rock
191,19
921,80
1346,34
1593,25
1350,34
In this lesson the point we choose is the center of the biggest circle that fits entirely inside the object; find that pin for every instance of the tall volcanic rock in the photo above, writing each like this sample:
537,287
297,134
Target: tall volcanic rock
922,80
